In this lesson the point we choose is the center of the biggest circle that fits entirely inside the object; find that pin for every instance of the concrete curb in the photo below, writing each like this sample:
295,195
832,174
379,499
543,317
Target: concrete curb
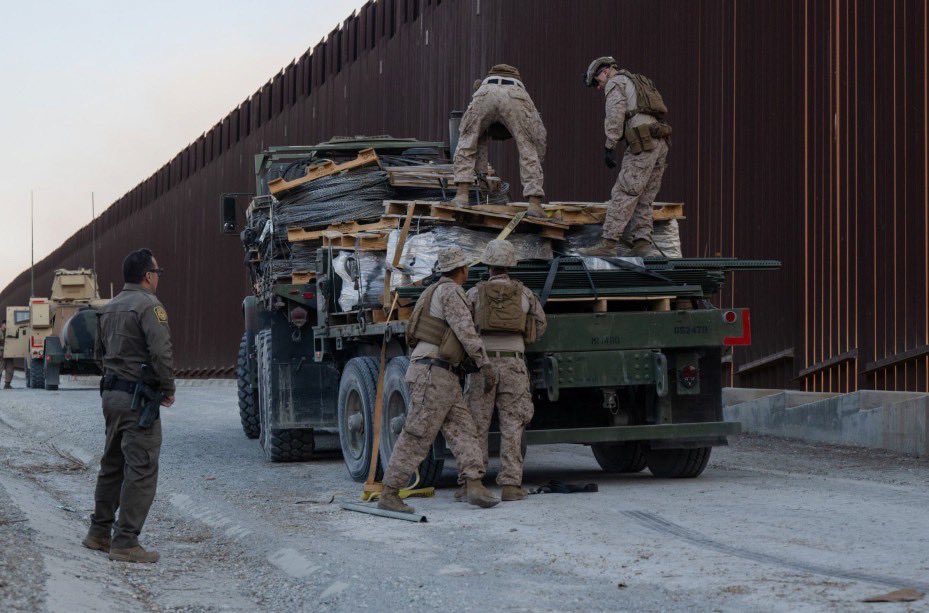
895,421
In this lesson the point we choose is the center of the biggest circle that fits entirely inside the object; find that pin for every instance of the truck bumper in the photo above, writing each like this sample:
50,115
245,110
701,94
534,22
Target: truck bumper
614,434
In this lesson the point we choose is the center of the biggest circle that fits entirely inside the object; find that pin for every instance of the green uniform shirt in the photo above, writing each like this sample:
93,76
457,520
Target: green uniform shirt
133,330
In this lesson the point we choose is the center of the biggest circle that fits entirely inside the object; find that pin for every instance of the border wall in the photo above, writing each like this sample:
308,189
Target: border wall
801,134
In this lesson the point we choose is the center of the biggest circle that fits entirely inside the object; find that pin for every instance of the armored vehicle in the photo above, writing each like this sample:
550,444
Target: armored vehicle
62,329
631,364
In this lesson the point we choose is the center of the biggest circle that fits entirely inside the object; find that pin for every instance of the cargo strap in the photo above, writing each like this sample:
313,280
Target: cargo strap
506,354
553,272
639,269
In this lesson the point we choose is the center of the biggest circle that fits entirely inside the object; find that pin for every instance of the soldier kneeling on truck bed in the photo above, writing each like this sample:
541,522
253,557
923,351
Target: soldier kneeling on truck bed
442,335
508,315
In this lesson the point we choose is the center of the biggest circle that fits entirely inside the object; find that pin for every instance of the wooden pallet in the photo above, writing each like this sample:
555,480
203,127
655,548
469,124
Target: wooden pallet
432,176
666,211
302,277
357,241
488,218
297,234
323,169
602,305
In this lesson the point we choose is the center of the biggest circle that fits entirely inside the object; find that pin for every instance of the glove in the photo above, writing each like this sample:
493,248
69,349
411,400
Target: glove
490,377
609,158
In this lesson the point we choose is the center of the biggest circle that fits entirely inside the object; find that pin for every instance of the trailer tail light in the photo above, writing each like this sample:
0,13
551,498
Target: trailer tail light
746,337
689,375
308,295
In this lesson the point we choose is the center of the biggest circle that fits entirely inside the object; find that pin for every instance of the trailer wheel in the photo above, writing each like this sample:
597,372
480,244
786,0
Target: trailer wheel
357,394
678,463
620,457
248,401
280,445
36,374
396,404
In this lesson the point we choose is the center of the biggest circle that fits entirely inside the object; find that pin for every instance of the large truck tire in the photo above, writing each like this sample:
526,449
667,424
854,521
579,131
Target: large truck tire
248,401
396,405
279,445
36,374
678,463
357,397
620,457
52,372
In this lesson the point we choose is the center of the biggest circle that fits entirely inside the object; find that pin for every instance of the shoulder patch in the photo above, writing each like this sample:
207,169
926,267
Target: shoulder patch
161,314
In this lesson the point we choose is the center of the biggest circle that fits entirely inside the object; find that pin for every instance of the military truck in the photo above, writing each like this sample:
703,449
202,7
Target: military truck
62,329
631,364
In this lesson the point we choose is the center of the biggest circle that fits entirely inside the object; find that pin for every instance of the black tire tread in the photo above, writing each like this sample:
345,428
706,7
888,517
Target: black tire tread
620,457
284,445
248,405
678,463
36,374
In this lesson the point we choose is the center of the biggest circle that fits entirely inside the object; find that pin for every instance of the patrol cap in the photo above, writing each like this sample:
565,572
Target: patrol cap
594,68
499,253
451,258
505,70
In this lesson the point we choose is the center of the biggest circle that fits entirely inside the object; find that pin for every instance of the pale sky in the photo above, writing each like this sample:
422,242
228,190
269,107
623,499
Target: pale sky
98,94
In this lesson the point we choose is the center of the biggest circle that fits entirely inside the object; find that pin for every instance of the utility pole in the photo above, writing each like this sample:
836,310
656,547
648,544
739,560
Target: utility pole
93,235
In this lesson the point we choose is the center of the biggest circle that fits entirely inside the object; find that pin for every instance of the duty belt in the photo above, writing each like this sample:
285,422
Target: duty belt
506,354
503,81
115,384
456,370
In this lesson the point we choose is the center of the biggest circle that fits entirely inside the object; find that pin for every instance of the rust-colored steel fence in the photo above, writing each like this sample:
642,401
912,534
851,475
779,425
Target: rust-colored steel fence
800,133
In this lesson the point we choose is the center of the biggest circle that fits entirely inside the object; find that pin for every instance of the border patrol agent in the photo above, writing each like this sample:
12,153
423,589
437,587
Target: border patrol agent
508,315
500,109
634,112
442,335
132,330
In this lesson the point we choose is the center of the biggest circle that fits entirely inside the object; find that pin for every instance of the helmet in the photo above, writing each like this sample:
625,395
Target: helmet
499,253
594,68
451,258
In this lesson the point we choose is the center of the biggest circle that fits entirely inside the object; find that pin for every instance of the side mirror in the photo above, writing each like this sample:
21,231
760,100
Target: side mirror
227,215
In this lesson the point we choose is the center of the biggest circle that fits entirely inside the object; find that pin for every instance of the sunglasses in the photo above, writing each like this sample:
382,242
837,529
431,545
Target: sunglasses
157,271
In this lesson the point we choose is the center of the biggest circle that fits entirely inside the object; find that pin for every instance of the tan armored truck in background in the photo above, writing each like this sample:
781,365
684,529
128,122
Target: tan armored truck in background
62,329
16,341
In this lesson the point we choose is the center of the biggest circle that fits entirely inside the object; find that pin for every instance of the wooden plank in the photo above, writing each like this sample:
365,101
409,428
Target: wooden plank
302,277
324,169
664,211
612,299
297,234
358,241
399,207
476,216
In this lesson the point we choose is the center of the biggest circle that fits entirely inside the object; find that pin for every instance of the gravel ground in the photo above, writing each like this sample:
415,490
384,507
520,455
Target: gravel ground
771,525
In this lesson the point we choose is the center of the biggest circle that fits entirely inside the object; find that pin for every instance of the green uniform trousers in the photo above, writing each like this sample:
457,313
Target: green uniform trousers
128,472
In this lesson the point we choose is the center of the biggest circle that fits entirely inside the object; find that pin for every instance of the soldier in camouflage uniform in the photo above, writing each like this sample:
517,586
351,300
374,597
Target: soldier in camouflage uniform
442,334
634,109
508,315
499,109
132,329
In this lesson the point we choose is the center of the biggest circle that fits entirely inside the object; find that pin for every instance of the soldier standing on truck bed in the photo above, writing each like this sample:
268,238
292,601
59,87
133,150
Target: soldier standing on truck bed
634,110
7,362
508,315
501,108
132,330
442,335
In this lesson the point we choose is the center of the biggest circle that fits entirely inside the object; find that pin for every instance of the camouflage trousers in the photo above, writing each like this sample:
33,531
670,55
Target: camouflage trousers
8,368
511,106
513,401
629,214
128,472
436,404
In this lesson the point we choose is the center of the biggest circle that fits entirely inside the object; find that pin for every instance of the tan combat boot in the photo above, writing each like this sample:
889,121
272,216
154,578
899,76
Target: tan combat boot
643,248
535,207
480,496
390,500
512,493
134,554
96,542
461,494
462,197
606,247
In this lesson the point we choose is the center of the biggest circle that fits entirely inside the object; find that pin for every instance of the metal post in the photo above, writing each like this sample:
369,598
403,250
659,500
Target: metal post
31,244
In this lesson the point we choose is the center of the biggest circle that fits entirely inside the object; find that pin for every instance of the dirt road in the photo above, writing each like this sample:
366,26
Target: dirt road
771,525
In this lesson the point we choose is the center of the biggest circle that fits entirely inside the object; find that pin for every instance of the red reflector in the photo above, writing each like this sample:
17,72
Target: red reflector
729,317
746,338
309,295
689,376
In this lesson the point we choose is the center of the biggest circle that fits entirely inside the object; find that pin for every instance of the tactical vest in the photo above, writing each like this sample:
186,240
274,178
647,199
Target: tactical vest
648,99
424,327
500,308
